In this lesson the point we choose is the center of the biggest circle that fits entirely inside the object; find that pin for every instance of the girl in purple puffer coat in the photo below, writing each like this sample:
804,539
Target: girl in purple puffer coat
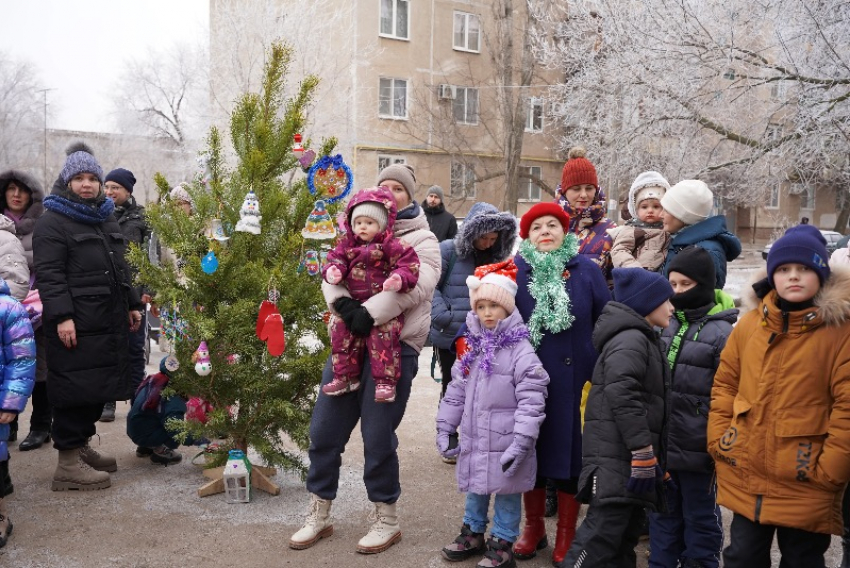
497,397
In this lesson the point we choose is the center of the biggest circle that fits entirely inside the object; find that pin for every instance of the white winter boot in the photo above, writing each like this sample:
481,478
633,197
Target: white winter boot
385,531
317,525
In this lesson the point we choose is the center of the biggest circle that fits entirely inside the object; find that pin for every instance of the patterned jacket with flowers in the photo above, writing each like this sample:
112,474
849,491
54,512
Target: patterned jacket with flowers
779,424
366,266
591,226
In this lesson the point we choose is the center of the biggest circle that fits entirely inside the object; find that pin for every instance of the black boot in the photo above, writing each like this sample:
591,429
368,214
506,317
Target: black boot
13,430
34,440
108,414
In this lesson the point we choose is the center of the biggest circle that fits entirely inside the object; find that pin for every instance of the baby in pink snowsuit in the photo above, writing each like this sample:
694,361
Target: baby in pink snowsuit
369,260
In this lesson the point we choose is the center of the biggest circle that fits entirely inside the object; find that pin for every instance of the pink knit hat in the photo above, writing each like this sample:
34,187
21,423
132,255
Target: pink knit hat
494,282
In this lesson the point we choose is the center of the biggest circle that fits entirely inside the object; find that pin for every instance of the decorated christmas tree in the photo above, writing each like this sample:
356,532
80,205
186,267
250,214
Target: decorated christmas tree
243,318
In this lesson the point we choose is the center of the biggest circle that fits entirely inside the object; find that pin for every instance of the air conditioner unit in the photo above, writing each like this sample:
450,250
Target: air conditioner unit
558,109
446,92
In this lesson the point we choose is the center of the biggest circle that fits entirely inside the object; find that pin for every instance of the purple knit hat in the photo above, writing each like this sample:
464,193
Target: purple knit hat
81,162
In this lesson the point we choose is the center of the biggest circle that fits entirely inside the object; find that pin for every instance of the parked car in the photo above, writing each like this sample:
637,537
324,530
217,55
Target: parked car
832,238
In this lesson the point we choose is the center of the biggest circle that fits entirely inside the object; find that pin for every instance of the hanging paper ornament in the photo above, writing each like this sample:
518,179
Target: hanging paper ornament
274,295
249,215
297,148
233,358
330,178
307,160
267,308
302,266
311,261
209,263
171,363
272,334
341,219
323,257
201,358
215,230
319,224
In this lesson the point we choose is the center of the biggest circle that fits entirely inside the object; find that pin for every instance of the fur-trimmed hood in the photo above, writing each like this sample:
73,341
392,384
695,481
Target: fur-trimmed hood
833,300
36,206
484,218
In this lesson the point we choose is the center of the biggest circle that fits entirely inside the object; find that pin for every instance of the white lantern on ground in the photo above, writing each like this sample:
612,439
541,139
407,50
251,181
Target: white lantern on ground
237,478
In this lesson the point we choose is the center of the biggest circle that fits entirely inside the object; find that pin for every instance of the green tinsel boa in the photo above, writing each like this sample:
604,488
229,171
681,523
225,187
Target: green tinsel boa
546,286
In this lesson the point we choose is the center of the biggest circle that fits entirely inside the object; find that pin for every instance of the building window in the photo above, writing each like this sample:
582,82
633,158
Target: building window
395,18
467,32
779,90
773,200
463,181
530,191
387,161
534,116
729,74
465,105
807,198
392,97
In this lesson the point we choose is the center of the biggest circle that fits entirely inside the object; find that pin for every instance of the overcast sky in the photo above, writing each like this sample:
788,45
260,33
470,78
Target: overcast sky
79,47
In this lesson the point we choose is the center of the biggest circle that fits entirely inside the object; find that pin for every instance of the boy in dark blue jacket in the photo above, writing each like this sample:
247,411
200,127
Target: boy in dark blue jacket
690,532
146,421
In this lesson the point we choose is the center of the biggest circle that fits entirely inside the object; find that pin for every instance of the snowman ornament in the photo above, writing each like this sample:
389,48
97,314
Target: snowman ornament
201,357
249,215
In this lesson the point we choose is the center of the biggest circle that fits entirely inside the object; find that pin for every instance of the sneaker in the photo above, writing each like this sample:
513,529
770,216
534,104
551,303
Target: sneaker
108,414
165,456
499,554
465,546
143,452
384,393
450,461
337,387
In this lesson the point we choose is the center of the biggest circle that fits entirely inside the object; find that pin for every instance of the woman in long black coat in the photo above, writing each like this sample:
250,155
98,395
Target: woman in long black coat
89,308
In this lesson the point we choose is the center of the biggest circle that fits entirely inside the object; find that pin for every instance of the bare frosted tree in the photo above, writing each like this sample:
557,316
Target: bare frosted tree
751,94
21,114
164,94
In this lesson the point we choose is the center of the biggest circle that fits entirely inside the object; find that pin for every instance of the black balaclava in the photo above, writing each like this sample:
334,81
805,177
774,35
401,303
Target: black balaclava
695,263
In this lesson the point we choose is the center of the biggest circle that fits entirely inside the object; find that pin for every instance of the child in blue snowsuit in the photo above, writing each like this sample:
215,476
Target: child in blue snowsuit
17,377
690,532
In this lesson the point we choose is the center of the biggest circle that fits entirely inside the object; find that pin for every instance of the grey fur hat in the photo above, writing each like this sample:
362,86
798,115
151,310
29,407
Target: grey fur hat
484,218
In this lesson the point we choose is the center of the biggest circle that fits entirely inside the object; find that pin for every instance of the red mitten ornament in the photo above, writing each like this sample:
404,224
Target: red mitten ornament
267,308
272,334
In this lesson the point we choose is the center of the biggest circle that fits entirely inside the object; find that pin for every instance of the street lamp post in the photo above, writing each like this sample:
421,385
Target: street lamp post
44,100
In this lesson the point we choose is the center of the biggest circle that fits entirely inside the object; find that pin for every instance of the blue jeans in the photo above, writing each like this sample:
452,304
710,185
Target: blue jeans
507,510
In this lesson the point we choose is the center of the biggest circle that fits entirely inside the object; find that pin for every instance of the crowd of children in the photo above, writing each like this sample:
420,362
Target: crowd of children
689,408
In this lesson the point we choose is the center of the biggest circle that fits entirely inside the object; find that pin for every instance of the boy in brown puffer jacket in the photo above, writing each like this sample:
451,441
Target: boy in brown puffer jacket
779,424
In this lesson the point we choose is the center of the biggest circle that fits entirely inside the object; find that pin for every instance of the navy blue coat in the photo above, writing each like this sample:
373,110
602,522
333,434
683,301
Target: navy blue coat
711,235
569,358
147,428
695,361
451,297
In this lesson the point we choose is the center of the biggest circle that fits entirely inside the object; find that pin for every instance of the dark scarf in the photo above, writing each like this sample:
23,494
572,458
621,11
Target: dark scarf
121,209
92,211
410,212
697,297
583,217
638,224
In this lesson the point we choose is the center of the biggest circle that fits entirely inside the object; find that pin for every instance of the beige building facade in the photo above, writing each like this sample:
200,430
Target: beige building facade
407,81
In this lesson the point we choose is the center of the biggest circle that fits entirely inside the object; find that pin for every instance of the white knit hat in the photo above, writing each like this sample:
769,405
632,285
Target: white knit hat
374,211
495,282
690,201
648,185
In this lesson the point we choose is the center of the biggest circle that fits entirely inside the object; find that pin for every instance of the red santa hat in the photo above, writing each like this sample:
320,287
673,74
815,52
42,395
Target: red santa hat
495,282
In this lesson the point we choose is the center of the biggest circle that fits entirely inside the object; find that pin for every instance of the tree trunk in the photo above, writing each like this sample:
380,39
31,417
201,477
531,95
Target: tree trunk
842,204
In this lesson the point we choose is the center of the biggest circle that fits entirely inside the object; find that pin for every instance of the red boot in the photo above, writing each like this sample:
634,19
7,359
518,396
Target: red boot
567,516
533,537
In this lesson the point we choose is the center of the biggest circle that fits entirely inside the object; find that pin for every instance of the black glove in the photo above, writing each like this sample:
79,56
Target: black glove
346,308
361,322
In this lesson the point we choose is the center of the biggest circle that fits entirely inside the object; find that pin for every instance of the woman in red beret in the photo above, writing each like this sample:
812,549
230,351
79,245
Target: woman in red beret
560,294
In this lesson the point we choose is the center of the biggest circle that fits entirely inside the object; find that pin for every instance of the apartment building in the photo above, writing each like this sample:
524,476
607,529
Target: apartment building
403,81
